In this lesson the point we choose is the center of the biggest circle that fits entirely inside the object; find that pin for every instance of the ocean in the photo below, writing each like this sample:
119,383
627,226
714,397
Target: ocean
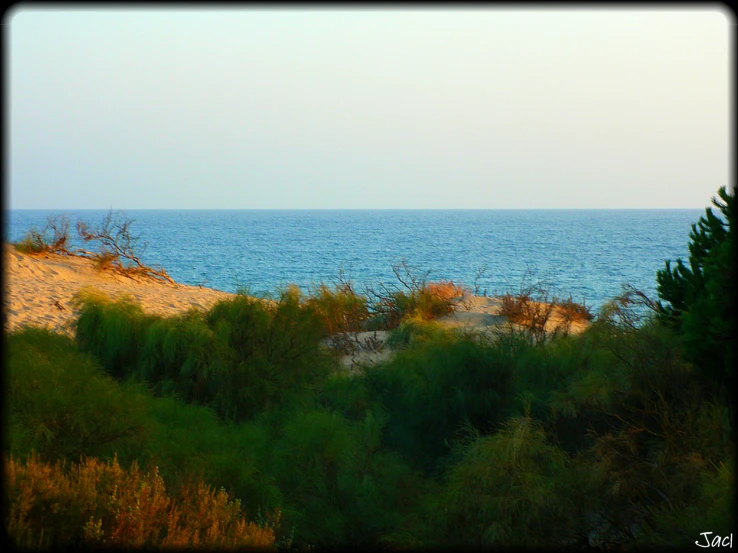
585,254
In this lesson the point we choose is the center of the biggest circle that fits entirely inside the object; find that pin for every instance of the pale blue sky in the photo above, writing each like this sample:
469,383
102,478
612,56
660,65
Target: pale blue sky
380,108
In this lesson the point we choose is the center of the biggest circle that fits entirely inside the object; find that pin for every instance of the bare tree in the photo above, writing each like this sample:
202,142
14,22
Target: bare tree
118,247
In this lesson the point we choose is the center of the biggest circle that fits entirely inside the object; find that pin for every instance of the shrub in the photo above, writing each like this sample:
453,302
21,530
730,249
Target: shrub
389,305
97,503
36,241
341,309
512,488
433,389
241,357
111,330
62,405
574,312
340,488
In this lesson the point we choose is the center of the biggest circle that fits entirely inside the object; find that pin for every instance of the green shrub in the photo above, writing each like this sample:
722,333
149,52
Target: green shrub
433,389
62,405
340,489
340,309
111,330
241,357
512,488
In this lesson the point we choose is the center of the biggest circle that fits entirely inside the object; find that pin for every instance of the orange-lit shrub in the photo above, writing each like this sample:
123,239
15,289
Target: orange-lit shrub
574,312
98,503
445,290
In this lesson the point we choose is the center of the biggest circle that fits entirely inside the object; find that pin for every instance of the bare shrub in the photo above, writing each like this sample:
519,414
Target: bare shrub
390,304
535,309
629,310
117,247
573,312
38,241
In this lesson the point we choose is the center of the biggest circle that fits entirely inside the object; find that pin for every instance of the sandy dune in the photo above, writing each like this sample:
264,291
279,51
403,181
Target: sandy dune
39,291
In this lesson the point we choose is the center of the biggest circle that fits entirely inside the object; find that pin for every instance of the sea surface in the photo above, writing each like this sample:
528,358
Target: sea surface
585,254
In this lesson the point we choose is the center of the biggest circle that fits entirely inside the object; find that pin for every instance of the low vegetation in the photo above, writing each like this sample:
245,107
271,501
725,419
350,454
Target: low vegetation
117,248
236,427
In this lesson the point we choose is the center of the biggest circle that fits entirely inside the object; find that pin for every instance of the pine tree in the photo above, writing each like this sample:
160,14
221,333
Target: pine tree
701,297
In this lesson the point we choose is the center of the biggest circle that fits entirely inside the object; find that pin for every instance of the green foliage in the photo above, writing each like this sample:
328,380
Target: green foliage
340,309
340,488
61,405
711,510
416,329
241,357
701,298
111,330
432,390
428,301
512,488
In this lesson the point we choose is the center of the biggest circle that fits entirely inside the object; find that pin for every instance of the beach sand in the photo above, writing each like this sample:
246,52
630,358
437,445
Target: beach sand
39,291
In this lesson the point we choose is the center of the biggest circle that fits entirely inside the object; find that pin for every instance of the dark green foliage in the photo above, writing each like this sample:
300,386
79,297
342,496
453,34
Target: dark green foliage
61,405
241,357
512,488
112,331
433,389
701,297
340,487
712,509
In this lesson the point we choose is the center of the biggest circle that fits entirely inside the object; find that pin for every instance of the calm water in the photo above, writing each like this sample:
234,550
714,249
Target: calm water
586,253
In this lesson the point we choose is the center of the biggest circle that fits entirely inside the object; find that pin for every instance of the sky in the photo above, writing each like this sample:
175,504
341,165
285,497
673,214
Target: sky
426,108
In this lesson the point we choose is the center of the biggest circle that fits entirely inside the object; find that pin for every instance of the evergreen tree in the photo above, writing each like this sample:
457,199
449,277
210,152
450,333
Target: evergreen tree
701,297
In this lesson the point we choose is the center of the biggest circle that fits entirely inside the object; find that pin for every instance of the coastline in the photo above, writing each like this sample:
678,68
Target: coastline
39,291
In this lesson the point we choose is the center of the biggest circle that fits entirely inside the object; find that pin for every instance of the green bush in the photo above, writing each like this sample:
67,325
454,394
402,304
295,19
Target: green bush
340,488
512,488
432,390
111,330
62,405
241,357
340,309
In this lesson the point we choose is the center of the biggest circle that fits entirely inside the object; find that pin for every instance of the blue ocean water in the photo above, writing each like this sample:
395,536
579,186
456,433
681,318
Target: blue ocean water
587,254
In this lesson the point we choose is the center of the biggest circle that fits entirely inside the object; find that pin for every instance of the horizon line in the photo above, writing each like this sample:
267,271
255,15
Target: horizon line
352,208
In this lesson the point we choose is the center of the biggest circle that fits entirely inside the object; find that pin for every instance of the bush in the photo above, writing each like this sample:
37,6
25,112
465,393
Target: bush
340,488
96,503
241,357
62,405
512,488
38,241
341,309
433,390
389,305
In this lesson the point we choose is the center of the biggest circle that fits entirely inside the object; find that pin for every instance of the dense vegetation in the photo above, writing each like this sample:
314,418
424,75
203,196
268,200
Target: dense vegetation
238,428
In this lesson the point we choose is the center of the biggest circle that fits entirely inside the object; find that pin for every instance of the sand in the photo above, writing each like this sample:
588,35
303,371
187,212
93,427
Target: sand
39,291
